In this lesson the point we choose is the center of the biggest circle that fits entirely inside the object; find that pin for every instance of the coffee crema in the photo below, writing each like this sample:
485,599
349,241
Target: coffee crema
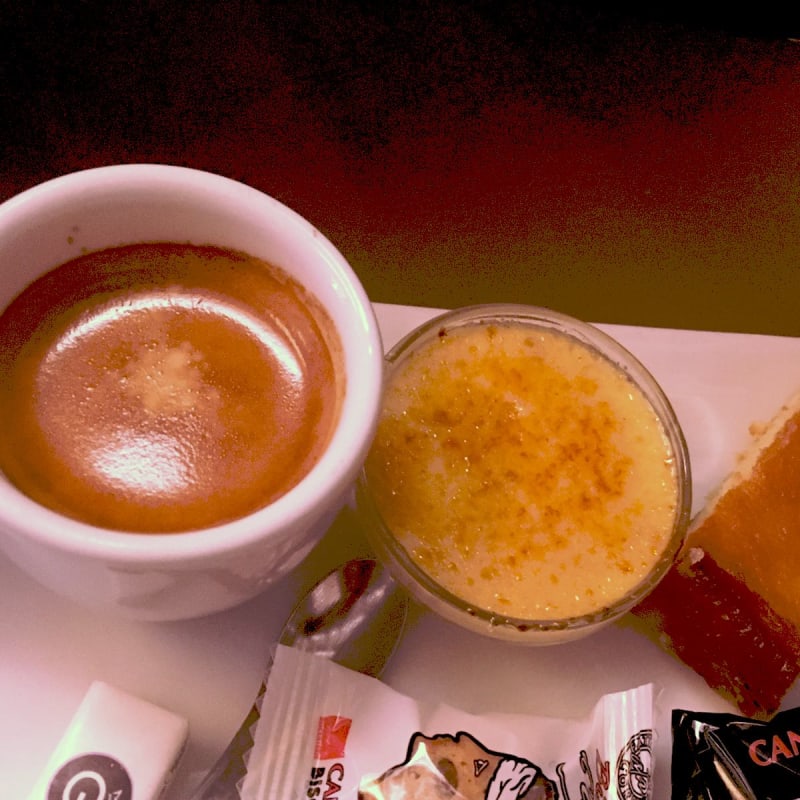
164,387
522,471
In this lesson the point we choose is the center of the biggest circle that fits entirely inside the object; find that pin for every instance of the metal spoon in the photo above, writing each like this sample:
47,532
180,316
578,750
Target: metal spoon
354,616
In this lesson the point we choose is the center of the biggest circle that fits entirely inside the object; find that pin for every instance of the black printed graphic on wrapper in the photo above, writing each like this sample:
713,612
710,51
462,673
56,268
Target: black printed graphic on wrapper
92,776
436,765
634,767
718,756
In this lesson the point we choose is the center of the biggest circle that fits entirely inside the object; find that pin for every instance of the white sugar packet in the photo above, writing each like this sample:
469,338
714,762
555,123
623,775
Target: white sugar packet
328,733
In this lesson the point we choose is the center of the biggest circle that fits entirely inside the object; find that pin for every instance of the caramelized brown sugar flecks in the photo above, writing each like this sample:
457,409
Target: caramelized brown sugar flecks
522,471
164,387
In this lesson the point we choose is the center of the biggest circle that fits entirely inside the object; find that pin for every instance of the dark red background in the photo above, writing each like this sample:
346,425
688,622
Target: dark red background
619,164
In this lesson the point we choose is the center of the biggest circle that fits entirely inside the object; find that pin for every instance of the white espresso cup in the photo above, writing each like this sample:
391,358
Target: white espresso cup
167,576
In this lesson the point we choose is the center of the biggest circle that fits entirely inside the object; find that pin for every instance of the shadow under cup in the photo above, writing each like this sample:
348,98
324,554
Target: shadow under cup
180,575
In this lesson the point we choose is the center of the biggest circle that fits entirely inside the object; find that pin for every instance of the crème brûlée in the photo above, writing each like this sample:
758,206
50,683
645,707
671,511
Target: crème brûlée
524,472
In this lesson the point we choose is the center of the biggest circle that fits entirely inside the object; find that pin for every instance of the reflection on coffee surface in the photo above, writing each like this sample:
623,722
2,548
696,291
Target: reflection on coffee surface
522,471
165,387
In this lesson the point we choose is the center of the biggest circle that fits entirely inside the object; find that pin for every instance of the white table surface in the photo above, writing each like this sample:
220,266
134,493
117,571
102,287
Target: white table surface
209,669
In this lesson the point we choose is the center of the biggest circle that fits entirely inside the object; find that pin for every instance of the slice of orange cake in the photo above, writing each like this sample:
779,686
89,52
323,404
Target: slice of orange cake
730,608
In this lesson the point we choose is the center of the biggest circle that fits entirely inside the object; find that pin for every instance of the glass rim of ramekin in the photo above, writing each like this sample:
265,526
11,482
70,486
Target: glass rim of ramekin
420,584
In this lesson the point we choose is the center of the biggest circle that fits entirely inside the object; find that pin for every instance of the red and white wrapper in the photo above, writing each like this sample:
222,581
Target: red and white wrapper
328,733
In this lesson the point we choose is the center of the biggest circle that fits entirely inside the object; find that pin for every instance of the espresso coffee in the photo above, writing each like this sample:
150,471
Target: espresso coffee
165,387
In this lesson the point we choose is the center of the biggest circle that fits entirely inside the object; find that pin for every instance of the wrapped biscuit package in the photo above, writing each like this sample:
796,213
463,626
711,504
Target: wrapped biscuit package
719,756
328,733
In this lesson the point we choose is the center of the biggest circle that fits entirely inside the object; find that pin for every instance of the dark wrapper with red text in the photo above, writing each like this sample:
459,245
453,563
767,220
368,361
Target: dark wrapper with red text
728,757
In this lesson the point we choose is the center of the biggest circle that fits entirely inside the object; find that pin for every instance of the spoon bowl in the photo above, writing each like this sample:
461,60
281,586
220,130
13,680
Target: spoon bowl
354,616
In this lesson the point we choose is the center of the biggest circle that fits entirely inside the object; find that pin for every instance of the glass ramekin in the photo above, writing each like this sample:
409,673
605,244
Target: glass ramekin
440,600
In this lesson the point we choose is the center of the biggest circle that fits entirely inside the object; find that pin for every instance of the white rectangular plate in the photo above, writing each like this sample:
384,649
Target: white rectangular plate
208,670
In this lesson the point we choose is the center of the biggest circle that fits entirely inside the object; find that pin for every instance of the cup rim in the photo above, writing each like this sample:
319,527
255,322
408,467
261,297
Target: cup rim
333,472
421,584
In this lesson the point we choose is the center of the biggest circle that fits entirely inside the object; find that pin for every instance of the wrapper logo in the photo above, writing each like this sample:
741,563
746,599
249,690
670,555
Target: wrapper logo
634,768
92,776
332,733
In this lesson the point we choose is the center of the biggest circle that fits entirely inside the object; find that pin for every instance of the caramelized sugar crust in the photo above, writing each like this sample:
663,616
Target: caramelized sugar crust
523,472
164,387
